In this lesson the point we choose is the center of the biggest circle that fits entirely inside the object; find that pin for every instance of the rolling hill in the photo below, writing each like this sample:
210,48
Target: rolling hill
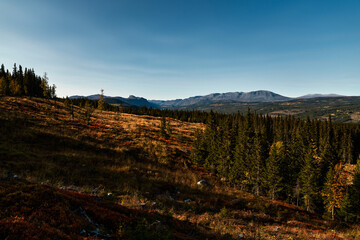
131,101
341,109
320,106
118,178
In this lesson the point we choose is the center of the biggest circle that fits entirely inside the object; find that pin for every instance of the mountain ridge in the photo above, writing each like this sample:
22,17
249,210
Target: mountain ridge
131,101
254,96
259,96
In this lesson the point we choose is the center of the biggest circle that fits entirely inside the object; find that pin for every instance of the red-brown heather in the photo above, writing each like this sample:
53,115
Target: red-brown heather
117,177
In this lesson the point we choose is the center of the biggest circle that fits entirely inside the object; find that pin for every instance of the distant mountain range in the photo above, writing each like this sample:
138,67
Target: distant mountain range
260,96
131,101
320,106
256,96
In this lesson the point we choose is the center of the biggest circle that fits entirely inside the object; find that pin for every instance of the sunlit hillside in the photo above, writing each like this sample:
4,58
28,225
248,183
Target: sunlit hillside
113,175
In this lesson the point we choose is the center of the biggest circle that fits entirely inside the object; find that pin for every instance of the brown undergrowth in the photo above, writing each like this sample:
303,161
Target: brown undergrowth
120,161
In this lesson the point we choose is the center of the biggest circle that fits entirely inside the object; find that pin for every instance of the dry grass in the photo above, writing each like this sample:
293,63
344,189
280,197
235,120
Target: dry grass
124,154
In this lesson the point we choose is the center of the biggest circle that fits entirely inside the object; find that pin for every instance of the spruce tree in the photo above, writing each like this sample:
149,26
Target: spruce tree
2,71
212,140
272,175
53,92
44,86
3,86
168,128
256,159
351,202
88,111
308,178
198,151
163,127
101,102
20,80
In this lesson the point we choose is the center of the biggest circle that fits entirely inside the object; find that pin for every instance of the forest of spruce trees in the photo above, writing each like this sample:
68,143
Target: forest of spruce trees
285,158
24,82
298,161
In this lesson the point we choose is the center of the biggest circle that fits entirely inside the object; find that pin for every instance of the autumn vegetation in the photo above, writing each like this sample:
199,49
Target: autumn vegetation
79,169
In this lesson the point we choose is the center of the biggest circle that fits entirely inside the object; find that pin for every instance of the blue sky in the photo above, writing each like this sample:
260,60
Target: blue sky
177,49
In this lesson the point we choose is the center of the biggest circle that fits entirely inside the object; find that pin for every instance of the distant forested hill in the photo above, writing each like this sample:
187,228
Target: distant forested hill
342,109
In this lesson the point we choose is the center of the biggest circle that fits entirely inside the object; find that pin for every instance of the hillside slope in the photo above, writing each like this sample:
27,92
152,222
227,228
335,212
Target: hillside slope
116,166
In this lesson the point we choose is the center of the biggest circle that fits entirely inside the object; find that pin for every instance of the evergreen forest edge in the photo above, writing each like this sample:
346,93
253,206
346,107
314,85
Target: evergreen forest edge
284,158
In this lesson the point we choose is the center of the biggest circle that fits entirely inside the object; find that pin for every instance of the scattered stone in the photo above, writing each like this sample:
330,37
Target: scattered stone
71,188
184,150
203,183
157,226
98,189
241,236
10,175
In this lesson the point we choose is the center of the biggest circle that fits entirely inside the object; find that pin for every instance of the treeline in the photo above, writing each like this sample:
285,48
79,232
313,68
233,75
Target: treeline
24,82
182,115
301,162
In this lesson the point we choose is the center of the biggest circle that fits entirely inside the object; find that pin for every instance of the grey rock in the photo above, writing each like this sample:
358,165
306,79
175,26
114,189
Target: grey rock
203,183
